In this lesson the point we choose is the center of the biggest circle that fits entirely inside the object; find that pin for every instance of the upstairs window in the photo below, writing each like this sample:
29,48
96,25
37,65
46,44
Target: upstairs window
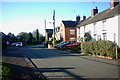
72,31
94,25
103,25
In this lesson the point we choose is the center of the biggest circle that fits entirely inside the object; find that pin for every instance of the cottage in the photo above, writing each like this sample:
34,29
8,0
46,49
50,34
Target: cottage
103,25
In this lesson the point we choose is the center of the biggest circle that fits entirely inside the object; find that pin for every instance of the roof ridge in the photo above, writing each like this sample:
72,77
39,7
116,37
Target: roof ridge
100,16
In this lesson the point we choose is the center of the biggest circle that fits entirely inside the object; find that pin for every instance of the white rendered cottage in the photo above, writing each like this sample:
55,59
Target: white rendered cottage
103,25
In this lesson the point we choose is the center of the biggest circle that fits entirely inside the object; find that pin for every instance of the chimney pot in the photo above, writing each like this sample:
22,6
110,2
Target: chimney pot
84,17
94,11
114,3
78,18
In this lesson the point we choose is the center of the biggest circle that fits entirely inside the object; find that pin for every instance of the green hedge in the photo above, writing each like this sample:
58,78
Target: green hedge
103,48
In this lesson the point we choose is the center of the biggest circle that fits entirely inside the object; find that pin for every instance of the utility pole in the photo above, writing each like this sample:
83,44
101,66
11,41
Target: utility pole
45,29
53,27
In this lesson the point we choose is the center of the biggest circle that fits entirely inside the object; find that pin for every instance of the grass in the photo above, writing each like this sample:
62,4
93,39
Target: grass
5,71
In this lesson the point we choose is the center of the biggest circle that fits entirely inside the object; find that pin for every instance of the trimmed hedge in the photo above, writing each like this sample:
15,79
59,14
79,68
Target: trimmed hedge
102,48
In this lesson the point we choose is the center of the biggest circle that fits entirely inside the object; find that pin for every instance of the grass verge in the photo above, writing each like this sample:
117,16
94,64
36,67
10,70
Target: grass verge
5,70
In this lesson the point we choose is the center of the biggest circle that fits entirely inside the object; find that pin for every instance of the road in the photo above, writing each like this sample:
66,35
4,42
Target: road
54,63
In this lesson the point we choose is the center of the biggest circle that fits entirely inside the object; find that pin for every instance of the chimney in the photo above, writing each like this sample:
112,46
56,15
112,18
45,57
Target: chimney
114,3
78,18
84,17
94,11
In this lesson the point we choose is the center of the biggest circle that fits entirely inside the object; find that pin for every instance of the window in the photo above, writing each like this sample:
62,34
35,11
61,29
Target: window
72,39
103,25
84,29
72,31
95,36
104,36
94,25
98,37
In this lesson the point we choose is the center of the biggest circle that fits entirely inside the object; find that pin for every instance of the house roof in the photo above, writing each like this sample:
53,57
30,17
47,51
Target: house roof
109,13
49,30
70,23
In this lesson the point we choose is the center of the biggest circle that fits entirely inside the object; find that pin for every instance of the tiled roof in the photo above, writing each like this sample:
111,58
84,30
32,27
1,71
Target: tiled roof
70,23
109,13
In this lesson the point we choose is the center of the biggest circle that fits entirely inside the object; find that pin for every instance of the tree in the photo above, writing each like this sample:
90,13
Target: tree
87,37
42,38
23,36
37,35
30,38
3,36
11,37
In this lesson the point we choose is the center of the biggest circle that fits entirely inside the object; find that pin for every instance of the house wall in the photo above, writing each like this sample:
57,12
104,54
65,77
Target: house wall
119,28
112,29
68,35
57,36
62,32
108,26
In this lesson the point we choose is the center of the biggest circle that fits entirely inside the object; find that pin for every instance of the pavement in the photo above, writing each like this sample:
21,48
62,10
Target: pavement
22,68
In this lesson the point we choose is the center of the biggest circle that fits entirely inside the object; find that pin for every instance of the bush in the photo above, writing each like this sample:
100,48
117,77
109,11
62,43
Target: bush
103,48
57,42
4,45
75,49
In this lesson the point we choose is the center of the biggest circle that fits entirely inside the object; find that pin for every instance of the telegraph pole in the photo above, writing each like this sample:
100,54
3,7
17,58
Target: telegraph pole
53,27
45,29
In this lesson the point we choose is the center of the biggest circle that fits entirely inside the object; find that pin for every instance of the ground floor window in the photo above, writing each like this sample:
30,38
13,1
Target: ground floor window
104,36
72,39
99,37
95,37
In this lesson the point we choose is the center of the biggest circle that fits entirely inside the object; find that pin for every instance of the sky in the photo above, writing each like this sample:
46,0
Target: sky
28,16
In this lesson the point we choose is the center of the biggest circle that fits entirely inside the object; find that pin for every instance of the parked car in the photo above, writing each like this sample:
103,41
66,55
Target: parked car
73,45
56,46
68,42
17,44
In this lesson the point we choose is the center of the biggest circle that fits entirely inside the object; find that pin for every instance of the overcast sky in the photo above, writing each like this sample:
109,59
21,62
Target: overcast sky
28,16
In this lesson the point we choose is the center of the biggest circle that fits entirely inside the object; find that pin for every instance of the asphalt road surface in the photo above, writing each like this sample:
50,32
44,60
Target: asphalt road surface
57,64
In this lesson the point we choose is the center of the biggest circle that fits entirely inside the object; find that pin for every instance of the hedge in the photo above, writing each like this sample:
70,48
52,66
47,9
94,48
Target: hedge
102,48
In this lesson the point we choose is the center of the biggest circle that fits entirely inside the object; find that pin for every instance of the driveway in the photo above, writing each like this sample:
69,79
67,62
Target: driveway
58,64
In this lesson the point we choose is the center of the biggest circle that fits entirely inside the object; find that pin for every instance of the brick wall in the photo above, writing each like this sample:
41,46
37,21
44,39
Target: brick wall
68,35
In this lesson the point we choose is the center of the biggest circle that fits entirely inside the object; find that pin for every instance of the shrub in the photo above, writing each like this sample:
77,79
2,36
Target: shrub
4,45
103,48
57,42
